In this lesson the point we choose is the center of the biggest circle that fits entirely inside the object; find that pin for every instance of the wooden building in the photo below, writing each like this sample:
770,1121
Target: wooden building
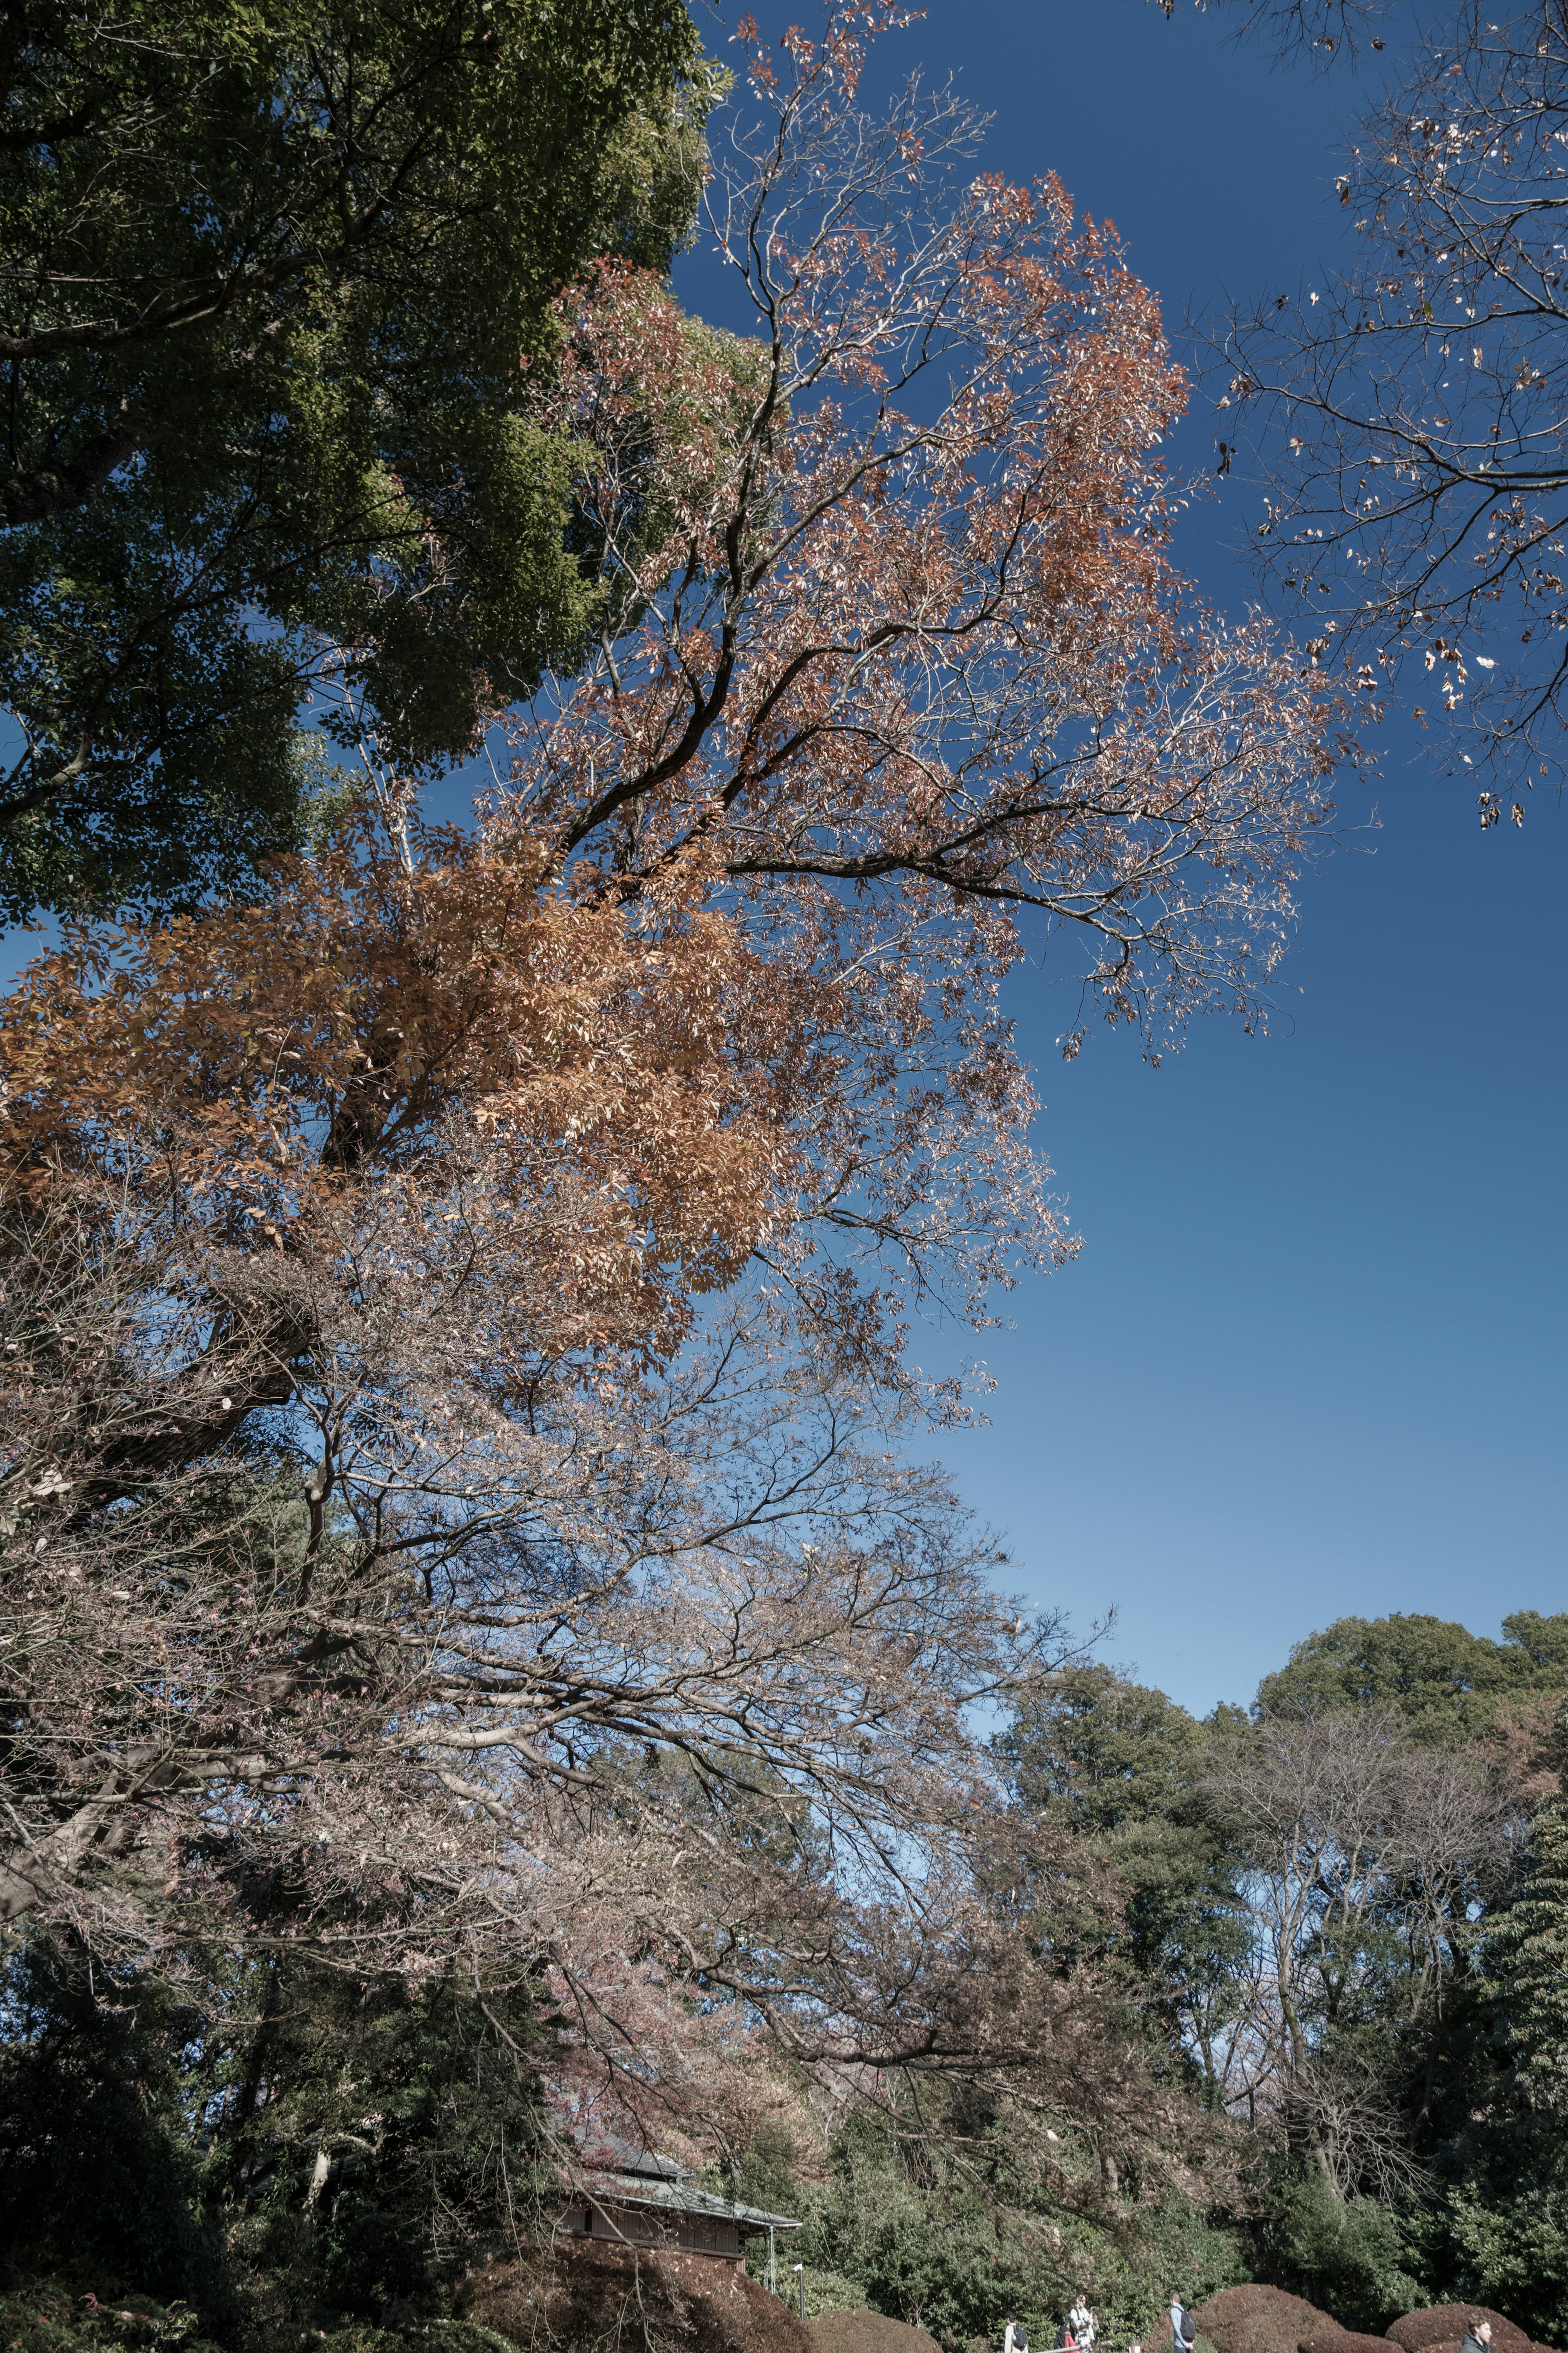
641,2200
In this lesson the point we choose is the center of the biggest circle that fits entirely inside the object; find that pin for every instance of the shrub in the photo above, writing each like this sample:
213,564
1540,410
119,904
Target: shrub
1259,2319
593,2296
1441,2324
1348,2256
868,2332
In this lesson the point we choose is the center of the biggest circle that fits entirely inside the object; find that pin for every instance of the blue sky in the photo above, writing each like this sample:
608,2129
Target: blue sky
1310,1361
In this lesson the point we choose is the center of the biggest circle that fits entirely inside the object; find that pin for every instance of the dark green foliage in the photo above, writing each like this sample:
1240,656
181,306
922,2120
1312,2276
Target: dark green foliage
57,2314
276,287
1451,2036
1527,1954
764,2175
294,2149
1500,2232
371,2142
1120,1764
96,2166
54,2314
441,2336
954,2236
1446,1682
1504,2241
1351,2257
1101,1752
1480,2067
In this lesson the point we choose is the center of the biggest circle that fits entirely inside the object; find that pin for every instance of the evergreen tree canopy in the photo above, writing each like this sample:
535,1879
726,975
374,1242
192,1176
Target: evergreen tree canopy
275,2141
1530,1960
1446,1682
1104,1751
276,285
1123,1764
95,2163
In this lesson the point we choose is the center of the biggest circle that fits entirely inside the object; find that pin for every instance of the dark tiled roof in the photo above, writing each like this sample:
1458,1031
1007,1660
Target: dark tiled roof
683,2198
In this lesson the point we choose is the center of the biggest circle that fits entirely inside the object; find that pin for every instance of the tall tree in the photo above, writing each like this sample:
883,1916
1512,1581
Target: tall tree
97,2162
1361,1857
463,1301
1447,1683
273,294
1124,1766
1529,1947
1500,2230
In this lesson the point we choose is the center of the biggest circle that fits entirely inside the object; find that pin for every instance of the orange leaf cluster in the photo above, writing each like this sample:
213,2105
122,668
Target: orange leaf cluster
269,1054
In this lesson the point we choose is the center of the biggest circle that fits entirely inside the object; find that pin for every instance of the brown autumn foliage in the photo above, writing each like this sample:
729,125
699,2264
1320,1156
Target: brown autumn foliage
264,1058
1437,2324
455,1487
1259,2319
1527,1749
589,2299
868,2332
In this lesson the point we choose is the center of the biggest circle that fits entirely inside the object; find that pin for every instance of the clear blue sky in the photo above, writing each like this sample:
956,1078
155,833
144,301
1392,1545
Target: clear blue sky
1310,1360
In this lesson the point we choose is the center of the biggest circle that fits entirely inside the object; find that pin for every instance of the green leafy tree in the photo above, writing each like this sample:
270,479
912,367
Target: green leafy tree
48,2314
954,2232
369,2140
1447,1682
1433,1991
1120,1765
1530,1943
1500,2234
1101,1752
1350,2257
274,2143
276,287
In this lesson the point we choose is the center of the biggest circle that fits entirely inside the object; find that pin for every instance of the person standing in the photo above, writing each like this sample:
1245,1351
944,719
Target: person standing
1016,2338
1183,2328
1082,2322
1478,2337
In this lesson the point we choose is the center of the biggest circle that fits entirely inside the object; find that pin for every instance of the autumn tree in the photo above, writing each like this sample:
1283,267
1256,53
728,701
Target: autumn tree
287,418
361,1532
457,1415
1328,27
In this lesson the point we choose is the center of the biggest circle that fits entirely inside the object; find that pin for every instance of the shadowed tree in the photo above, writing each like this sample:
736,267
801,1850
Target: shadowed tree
273,294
